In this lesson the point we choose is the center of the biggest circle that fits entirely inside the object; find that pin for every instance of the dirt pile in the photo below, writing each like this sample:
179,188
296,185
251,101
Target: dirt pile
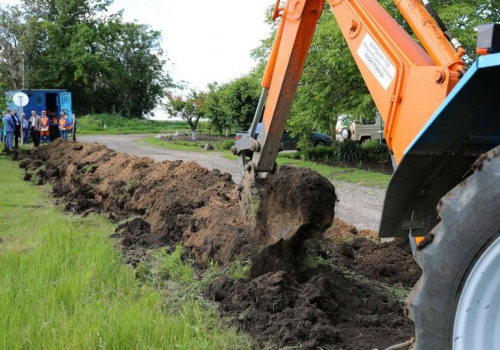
295,295
388,262
324,309
180,202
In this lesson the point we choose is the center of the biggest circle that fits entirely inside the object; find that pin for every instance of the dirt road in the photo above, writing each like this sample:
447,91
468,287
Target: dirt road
360,206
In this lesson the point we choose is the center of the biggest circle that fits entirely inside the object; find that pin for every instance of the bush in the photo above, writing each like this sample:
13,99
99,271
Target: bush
348,151
294,155
224,145
314,154
376,151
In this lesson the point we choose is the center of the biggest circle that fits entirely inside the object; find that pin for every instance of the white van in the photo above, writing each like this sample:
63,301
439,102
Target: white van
360,130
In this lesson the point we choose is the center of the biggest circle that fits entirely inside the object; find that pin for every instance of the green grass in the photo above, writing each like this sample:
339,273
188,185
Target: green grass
63,285
195,146
353,175
116,124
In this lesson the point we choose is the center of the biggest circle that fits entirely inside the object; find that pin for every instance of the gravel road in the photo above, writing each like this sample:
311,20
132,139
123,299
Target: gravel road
358,205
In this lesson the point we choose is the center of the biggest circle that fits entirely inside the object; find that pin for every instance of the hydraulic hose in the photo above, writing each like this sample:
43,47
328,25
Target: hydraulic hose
451,38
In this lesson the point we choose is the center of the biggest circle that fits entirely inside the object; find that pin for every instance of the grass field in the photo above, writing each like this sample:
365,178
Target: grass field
116,124
180,146
353,175
195,146
63,285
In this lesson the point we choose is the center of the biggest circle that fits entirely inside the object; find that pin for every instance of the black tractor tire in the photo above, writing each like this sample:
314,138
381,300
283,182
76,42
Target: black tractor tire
470,223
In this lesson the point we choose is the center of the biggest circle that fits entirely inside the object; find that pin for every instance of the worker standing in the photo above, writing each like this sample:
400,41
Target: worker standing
74,128
1,127
36,122
9,127
44,128
63,126
17,128
25,130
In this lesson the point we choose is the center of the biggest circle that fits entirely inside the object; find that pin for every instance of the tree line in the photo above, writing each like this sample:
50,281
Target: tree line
108,64
115,66
331,83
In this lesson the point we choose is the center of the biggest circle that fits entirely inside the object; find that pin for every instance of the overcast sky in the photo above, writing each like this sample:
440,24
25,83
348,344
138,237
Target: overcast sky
206,41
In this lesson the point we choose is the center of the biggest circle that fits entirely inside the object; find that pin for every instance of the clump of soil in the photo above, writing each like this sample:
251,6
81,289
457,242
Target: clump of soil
323,310
341,232
360,250
137,232
286,300
297,205
385,262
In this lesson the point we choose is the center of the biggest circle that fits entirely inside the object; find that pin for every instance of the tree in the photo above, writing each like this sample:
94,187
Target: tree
191,108
239,101
331,83
139,77
233,105
12,57
214,109
109,65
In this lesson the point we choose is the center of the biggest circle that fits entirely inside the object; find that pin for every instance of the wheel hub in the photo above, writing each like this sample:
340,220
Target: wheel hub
477,320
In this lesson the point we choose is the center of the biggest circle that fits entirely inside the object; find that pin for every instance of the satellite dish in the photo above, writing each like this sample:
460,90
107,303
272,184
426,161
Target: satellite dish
20,99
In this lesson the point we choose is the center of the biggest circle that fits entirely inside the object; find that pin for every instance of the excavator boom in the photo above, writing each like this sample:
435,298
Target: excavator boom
441,122
406,82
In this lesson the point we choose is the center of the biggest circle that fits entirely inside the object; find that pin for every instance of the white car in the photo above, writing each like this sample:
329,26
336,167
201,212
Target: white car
361,130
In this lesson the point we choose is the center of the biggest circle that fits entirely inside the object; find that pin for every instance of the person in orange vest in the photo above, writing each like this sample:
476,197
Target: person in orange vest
44,128
63,126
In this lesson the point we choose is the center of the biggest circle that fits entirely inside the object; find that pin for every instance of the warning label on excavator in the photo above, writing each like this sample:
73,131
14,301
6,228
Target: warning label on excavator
376,60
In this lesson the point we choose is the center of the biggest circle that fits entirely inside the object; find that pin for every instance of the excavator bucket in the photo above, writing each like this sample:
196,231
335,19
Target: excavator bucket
292,204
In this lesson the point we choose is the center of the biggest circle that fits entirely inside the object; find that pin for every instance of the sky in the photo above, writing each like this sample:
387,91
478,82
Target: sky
205,41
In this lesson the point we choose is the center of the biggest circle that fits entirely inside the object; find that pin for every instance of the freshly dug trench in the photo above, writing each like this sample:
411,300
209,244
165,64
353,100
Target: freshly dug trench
284,302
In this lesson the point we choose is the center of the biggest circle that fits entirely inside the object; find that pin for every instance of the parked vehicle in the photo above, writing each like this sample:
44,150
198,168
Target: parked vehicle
358,130
290,142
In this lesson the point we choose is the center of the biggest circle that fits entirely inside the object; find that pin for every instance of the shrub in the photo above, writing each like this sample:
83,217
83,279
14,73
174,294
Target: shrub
294,155
314,154
348,151
376,151
224,145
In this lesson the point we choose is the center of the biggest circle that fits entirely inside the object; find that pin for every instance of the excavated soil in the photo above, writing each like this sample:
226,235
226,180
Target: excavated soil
388,262
317,294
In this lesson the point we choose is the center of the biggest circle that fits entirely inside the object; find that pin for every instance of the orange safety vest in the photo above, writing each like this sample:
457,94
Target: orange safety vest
62,123
45,123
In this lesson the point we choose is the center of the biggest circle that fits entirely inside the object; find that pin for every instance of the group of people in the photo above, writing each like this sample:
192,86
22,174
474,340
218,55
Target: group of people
35,128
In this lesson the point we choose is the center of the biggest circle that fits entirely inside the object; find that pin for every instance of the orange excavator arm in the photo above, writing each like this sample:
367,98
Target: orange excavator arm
406,82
